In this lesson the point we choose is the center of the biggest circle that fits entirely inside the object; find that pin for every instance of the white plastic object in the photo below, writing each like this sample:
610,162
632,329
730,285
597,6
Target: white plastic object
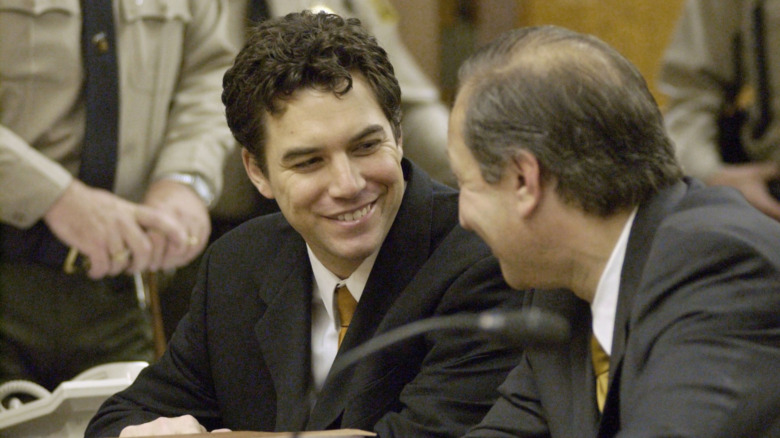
66,412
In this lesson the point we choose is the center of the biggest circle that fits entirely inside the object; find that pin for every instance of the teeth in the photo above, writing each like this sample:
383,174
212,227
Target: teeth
355,215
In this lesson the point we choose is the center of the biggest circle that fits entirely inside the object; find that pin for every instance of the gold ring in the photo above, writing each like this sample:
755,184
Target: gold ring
192,240
120,256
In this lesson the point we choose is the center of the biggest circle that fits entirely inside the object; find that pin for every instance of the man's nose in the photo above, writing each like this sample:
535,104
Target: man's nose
346,178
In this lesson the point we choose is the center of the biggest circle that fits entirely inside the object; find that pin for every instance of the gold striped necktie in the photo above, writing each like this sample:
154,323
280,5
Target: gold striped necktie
600,370
346,307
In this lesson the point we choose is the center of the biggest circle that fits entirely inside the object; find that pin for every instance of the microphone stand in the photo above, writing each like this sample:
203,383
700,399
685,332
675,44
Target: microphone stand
527,327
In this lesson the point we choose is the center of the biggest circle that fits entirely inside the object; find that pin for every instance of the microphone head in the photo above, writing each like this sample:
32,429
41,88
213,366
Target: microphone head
527,327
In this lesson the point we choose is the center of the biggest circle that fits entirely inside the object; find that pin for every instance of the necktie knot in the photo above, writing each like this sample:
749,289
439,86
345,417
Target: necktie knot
346,305
601,371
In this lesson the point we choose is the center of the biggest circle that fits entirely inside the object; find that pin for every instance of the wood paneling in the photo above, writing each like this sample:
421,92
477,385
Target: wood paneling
639,29
435,29
420,30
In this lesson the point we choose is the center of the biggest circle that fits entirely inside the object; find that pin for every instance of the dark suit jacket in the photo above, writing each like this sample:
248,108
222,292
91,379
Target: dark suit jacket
241,357
698,319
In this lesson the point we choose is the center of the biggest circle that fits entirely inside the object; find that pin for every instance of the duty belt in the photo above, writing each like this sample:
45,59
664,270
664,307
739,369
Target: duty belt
38,245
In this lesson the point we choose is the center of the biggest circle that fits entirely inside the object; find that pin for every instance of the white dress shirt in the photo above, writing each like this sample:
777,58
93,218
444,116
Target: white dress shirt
325,325
604,303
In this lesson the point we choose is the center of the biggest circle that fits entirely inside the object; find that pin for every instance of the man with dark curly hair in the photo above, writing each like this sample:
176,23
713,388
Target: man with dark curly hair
365,242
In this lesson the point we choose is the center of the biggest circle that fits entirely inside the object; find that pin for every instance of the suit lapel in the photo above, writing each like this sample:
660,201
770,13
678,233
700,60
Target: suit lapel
404,251
288,286
583,398
640,241
571,403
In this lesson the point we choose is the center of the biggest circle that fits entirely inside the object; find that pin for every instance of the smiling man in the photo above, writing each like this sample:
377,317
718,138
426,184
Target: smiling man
334,167
314,102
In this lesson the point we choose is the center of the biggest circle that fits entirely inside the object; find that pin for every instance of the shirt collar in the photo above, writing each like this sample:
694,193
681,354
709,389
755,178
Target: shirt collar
325,281
604,305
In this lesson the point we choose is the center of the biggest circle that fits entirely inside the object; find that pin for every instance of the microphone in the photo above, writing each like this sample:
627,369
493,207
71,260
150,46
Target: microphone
520,328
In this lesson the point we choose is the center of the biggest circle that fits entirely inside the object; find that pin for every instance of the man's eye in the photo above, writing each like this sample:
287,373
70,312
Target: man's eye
306,164
367,146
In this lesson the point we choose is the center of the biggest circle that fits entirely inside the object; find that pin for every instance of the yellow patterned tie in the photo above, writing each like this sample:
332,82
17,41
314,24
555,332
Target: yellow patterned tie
346,307
601,370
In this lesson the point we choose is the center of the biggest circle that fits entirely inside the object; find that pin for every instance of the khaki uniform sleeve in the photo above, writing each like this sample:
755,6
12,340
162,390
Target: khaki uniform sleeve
197,138
695,69
30,181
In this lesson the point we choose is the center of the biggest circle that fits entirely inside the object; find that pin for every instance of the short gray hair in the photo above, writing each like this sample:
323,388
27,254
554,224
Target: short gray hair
578,106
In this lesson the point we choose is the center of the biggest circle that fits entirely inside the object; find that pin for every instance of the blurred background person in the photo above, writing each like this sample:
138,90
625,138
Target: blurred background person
721,73
112,140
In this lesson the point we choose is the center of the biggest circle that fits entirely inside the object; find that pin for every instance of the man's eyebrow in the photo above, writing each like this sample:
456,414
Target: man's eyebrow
368,130
293,154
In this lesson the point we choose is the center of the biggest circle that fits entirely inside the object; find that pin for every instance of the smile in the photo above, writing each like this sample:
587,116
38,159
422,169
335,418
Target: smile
355,215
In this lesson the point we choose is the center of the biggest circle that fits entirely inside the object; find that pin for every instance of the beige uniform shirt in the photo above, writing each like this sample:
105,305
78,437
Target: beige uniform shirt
171,54
697,65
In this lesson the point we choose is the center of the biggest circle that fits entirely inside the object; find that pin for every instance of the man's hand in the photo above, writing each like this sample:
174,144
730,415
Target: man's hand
186,424
104,228
174,248
751,179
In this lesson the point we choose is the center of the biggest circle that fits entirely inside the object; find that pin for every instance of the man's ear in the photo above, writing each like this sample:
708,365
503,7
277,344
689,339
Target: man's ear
399,141
256,175
525,173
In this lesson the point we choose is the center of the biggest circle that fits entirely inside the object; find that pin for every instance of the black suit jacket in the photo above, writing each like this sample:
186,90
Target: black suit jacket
697,322
241,357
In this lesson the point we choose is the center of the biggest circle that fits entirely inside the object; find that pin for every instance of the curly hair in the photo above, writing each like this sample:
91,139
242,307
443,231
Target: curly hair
297,51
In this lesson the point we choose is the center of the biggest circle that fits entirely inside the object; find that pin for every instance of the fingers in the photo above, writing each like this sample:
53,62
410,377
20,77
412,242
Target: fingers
170,238
138,246
159,245
163,223
117,236
101,226
175,242
766,170
118,261
752,181
194,243
140,238
760,197
186,424
112,259
181,217
127,247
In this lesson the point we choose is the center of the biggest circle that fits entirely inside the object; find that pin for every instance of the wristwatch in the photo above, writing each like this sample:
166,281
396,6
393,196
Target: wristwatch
196,183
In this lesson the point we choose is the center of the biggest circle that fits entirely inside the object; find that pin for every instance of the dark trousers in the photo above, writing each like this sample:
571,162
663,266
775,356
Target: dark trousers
54,326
